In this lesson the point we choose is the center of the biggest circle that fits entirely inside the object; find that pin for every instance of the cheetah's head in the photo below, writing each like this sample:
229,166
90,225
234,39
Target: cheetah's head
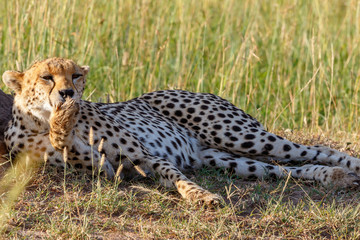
46,84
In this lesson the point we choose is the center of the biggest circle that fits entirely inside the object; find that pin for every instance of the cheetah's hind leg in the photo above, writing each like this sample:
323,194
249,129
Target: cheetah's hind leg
248,168
337,158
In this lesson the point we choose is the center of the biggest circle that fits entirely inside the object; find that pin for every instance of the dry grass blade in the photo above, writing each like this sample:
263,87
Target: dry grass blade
118,171
91,136
101,144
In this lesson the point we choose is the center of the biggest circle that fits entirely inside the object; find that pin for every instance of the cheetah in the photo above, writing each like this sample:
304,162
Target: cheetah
163,133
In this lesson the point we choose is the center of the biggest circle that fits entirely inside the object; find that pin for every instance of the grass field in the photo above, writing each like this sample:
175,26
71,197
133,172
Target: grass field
291,64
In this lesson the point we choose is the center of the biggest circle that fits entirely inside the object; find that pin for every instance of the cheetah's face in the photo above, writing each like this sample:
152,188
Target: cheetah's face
46,84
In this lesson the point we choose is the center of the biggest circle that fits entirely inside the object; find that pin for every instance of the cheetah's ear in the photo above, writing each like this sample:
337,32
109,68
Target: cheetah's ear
13,80
85,69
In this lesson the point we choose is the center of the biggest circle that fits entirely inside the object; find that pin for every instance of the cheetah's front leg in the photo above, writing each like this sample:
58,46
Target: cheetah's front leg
62,122
62,134
171,176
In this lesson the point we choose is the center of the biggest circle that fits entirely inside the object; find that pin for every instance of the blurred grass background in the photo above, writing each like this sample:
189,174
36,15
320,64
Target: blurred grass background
291,64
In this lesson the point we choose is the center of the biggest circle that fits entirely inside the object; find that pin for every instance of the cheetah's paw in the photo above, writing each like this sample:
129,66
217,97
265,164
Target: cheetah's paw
64,115
206,198
342,178
210,200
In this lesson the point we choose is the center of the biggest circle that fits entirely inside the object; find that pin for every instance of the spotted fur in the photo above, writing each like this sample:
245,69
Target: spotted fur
164,133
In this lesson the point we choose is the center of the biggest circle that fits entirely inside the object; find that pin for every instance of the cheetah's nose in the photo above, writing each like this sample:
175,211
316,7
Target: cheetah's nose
66,93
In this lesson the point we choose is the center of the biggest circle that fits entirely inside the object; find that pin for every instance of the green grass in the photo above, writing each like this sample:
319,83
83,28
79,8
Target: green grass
290,64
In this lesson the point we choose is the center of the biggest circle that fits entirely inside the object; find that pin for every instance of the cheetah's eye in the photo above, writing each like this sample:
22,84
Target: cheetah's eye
47,77
76,76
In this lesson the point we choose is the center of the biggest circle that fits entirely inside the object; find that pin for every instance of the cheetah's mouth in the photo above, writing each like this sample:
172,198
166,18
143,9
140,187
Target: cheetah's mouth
53,103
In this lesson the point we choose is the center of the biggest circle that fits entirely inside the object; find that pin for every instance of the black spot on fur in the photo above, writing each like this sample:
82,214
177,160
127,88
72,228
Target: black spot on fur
197,119
191,110
249,136
247,144
252,168
287,148
178,113
268,147
217,126
233,164
236,128
211,117
272,139
78,166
